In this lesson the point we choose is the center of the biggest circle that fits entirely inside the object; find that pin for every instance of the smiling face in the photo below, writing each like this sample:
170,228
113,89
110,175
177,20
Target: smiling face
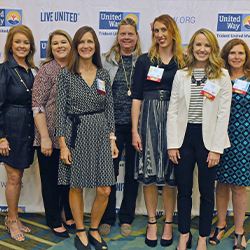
60,47
237,57
201,50
127,39
86,46
20,46
162,35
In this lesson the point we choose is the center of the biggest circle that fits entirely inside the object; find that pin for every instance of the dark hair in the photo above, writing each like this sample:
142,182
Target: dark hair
74,56
226,50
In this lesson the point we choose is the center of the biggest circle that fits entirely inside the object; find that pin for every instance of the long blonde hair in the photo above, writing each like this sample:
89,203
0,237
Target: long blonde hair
215,63
116,46
9,40
177,49
49,54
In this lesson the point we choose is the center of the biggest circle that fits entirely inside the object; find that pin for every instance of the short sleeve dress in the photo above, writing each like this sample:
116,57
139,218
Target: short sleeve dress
153,164
234,166
92,163
16,117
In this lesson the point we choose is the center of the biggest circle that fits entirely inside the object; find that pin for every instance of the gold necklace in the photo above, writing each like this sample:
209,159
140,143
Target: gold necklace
128,86
22,81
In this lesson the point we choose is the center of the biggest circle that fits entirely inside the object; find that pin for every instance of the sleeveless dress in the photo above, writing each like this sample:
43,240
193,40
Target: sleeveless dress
234,166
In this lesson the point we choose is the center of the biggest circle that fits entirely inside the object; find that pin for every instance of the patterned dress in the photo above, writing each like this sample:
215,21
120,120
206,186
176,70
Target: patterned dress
234,166
92,163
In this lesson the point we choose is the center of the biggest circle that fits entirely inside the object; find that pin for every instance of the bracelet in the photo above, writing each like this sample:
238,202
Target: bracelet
112,137
2,139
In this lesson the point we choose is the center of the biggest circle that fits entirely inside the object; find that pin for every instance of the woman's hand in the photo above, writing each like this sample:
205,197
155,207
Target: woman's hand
114,149
46,146
65,155
4,148
136,142
174,155
213,159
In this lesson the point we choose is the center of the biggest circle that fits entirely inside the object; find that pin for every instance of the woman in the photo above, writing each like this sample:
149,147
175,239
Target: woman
120,62
197,130
55,198
234,169
16,120
85,126
151,94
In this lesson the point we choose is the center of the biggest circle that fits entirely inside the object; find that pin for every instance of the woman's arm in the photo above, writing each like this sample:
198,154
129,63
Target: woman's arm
65,153
46,143
135,113
4,79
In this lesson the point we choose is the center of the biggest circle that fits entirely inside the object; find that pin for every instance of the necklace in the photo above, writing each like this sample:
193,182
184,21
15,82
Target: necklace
90,68
22,81
204,78
128,85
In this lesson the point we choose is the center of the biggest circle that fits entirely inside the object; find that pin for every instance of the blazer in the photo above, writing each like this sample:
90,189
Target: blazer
215,113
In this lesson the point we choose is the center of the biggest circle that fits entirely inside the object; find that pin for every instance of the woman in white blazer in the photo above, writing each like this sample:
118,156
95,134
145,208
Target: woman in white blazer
197,130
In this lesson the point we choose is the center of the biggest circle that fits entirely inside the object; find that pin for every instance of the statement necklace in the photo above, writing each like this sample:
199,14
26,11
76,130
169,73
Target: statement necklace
204,78
128,85
22,81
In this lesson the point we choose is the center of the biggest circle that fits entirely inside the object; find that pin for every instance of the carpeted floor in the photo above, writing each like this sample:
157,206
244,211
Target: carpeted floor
41,236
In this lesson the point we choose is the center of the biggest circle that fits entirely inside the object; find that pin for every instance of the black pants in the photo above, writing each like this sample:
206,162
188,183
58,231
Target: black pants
193,151
130,190
55,197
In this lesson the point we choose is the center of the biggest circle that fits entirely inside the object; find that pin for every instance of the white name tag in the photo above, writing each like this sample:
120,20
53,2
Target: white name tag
210,90
155,74
240,86
101,87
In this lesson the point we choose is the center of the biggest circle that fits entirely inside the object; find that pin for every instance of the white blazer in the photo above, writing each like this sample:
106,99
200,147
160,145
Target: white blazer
215,114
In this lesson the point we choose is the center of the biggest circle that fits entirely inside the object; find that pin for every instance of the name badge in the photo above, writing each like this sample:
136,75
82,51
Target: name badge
101,87
155,74
240,86
210,90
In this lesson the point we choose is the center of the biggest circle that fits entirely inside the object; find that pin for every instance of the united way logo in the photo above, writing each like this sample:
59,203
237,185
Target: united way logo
110,20
246,22
233,22
13,18
9,18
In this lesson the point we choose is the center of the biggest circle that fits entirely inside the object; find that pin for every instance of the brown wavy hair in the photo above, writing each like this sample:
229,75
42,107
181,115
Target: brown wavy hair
49,54
9,40
173,30
215,63
74,56
226,50
116,46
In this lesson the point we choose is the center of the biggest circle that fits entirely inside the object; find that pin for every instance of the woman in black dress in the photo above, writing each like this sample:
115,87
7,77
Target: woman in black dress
16,119
151,94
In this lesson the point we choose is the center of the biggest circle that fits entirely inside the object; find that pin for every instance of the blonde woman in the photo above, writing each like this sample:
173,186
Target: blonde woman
197,130
120,62
152,85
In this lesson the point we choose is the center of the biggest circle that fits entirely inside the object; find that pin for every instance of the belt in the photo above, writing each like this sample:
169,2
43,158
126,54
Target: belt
163,95
75,121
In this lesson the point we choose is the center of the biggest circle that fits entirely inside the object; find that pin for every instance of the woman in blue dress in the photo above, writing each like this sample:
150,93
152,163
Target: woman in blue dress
234,169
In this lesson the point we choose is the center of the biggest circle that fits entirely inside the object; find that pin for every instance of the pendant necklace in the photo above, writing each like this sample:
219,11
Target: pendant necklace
130,83
22,81
204,78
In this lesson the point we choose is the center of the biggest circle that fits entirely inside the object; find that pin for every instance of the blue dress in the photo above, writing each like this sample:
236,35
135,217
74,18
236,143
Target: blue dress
234,166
